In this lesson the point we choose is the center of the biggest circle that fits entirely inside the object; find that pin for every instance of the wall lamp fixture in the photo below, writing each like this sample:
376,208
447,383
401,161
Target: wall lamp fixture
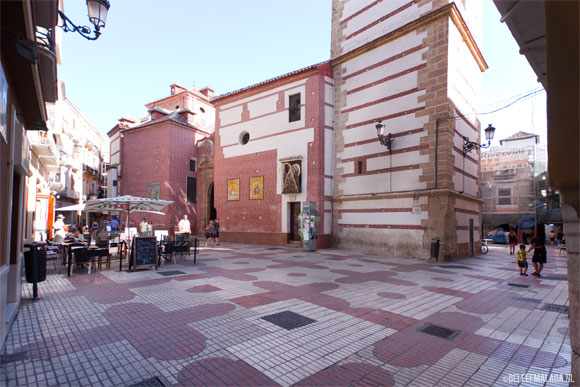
384,140
97,15
468,146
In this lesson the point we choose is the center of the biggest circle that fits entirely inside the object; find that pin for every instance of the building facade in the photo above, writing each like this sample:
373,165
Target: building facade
164,156
416,67
274,151
77,177
27,82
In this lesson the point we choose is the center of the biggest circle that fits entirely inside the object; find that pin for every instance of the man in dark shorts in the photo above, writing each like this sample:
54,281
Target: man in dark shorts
540,255
216,224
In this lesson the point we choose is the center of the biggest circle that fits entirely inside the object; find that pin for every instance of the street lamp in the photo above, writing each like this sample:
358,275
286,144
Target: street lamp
468,146
97,15
384,140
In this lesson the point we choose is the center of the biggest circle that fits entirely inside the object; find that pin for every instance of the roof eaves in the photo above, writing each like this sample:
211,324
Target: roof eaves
267,81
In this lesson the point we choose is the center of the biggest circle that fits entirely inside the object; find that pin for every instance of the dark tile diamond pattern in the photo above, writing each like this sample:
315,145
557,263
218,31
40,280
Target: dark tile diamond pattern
152,382
170,273
518,285
555,308
527,299
455,267
288,320
438,331
12,357
554,277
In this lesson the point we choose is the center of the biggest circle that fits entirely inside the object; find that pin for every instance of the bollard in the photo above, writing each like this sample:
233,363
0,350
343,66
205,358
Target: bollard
435,243
35,265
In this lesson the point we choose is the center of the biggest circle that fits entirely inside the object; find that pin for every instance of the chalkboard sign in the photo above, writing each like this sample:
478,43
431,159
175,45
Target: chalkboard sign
144,251
181,237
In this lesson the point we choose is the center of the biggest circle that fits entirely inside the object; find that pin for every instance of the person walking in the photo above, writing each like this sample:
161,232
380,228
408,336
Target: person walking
512,241
216,225
540,255
209,234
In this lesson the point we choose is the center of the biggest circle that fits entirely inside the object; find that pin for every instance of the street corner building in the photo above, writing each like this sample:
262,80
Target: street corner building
415,66
168,155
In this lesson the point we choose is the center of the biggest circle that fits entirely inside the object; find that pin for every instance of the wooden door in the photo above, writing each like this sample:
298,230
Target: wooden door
294,212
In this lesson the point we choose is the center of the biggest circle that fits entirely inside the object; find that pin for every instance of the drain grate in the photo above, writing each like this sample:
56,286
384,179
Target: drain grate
170,273
12,357
555,308
151,382
554,277
518,285
439,331
456,267
273,248
288,320
527,299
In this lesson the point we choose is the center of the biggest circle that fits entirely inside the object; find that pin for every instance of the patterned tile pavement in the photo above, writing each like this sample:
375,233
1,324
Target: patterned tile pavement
205,326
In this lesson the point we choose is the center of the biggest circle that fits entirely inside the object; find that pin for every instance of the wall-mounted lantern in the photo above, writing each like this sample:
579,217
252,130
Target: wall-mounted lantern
468,146
384,140
97,15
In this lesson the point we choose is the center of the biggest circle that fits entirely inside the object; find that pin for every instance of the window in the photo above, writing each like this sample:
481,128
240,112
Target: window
192,165
191,190
360,167
244,138
504,196
114,183
294,107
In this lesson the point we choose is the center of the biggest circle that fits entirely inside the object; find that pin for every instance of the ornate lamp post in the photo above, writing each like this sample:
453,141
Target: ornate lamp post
97,15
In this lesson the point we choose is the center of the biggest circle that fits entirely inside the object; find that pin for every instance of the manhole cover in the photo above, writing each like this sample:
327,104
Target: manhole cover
273,248
554,277
555,308
152,382
170,273
12,357
518,285
288,320
527,299
455,267
439,331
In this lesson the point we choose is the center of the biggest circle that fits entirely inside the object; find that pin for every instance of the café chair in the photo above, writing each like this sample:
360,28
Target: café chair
99,254
81,257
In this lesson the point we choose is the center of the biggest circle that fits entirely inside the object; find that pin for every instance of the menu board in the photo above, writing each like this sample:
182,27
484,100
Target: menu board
144,251
181,238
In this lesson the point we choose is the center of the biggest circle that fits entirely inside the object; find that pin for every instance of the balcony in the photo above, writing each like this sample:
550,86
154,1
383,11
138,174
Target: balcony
92,171
43,144
47,63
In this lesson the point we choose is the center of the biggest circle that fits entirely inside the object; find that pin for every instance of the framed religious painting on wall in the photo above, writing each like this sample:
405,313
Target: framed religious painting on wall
233,189
152,190
256,187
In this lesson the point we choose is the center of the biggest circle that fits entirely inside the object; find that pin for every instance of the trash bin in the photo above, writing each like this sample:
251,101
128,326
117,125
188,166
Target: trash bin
435,243
35,265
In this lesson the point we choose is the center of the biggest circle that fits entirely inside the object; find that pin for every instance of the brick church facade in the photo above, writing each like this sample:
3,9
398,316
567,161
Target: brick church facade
309,136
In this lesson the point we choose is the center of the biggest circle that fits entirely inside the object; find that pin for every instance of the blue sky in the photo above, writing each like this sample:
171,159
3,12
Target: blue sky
228,44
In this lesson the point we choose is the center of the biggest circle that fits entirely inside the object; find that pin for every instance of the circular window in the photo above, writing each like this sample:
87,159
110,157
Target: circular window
202,110
244,138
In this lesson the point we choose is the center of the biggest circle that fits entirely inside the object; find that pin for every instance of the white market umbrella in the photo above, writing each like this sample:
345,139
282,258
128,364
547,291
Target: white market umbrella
128,204
74,207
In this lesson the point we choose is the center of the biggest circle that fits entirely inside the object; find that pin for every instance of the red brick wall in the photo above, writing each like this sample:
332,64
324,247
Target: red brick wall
245,214
260,221
159,153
